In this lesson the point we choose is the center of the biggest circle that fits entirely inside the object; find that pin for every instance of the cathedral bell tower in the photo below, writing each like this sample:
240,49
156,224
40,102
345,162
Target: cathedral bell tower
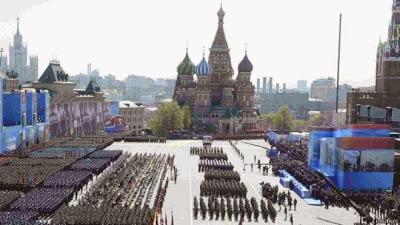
388,57
220,61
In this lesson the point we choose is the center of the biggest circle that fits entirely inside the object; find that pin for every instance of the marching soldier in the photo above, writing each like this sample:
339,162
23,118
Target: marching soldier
195,208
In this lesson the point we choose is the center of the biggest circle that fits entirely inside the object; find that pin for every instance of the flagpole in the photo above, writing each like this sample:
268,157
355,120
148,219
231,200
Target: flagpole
338,63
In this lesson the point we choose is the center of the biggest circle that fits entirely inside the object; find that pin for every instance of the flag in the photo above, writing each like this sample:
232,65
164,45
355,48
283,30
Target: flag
172,218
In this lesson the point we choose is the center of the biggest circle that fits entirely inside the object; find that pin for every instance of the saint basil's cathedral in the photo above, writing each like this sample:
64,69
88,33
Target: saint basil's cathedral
215,98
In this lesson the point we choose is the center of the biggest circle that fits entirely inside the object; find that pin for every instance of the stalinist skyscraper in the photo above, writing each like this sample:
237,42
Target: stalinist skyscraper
18,55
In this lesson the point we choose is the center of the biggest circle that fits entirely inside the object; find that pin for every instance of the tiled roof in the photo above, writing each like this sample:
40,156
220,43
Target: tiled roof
53,73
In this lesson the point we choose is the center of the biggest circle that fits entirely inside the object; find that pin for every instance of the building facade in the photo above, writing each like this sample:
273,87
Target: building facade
387,82
302,86
297,102
18,60
134,116
323,89
74,112
215,96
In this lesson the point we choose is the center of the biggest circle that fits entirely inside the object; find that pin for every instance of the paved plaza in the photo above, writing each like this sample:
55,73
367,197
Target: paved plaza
179,196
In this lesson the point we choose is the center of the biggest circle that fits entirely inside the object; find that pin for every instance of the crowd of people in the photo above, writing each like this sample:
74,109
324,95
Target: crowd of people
68,178
130,181
232,208
384,207
95,165
283,199
43,200
111,154
7,197
214,164
126,189
144,139
128,192
196,150
91,215
19,218
221,175
223,188
98,142
297,150
63,152
215,155
22,174
237,150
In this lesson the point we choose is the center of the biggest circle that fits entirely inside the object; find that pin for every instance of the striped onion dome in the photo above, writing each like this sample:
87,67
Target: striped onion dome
203,69
186,67
245,65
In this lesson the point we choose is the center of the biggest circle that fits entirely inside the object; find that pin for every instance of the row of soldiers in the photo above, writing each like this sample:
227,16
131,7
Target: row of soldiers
200,150
237,150
208,164
215,155
223,188
234,208
90,215
221,175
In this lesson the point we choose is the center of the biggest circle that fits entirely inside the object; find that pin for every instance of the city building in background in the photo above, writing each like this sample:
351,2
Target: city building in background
387,83
297,102
215,98
134,88
18,60
134,116
74,112
302,86
323,89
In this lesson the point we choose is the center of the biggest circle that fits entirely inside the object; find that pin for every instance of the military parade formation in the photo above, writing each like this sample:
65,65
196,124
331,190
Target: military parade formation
224,197
128,188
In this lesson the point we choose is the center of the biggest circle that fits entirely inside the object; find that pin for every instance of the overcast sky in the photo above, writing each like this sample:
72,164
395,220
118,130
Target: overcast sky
289,40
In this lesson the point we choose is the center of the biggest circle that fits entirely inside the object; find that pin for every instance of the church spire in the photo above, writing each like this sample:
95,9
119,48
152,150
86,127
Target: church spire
18,26
220,39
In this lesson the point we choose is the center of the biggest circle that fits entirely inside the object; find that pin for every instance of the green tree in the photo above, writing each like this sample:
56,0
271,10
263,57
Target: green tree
187,117
283,119
169,117
211,128
298,124
268,117
317,120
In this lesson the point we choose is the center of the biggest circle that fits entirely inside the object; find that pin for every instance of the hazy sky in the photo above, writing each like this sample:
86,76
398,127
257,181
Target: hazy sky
289,40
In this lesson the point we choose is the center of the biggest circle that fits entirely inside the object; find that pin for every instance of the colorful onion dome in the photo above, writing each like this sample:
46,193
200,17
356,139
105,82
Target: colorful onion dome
245,65
203,69
186,67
